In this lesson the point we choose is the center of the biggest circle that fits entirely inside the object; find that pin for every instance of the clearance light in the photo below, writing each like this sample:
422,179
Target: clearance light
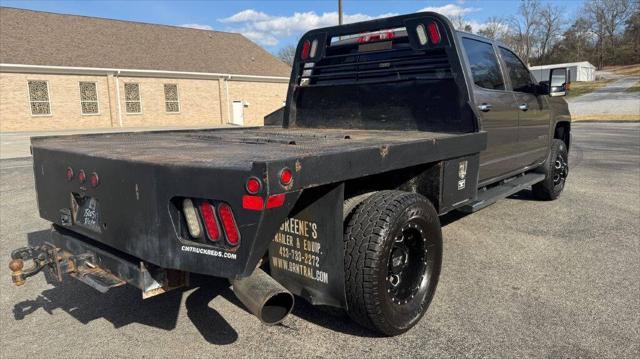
82,176
422,34
190,215
306,48
381,36
229,224
69,173
286,176
253,185
277,200
314,48
210,223
94,180
434,33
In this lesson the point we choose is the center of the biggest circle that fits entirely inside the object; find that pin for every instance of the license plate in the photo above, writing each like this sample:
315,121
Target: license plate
86,212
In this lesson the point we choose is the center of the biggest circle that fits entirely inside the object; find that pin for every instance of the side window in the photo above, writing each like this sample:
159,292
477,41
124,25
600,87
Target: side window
485,68
518,73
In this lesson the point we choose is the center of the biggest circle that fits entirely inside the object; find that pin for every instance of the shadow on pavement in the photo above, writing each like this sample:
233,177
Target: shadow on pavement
211,325
451,217
525,195
330,319
124,305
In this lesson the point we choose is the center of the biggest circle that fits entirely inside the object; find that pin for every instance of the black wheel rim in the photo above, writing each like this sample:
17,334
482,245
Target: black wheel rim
407,268
560,170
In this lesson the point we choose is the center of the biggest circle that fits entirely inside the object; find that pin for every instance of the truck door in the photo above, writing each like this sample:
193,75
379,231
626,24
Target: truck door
533,111
495,104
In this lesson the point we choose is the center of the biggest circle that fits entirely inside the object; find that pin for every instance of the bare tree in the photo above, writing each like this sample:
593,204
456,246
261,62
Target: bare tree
494,28
607,18
577,41
287,54
551,24
524,28
631,37
459,22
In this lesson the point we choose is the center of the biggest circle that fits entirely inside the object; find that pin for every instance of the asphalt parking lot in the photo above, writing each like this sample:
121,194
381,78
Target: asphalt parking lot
521,278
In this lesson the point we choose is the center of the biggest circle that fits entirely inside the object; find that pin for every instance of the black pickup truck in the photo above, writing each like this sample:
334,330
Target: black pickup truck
388,124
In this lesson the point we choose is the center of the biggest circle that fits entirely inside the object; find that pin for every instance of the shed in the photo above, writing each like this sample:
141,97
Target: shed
579,71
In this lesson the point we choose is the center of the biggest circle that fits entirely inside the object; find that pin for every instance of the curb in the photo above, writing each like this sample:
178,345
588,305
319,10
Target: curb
606,118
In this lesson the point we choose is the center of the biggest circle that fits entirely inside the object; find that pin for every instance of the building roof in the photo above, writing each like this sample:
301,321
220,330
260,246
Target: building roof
569,64
42,38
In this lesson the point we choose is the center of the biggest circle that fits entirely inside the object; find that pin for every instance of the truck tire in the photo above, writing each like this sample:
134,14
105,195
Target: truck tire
353,202
393,255
556,170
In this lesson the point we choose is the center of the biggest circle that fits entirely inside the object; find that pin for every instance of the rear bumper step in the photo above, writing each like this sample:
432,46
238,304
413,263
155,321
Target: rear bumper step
91,263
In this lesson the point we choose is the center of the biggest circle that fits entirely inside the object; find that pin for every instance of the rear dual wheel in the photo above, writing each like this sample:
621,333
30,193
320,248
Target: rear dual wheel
393,255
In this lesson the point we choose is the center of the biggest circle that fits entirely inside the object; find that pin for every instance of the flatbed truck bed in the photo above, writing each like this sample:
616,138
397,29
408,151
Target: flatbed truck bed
388,124
242,148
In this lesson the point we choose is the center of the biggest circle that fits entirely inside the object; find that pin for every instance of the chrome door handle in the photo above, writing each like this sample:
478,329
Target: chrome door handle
524,107
485,107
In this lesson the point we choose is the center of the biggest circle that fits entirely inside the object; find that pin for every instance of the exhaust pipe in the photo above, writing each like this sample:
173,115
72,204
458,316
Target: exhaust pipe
264,297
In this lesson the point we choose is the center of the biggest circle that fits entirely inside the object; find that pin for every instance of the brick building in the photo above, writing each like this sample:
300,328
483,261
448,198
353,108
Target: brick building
67,72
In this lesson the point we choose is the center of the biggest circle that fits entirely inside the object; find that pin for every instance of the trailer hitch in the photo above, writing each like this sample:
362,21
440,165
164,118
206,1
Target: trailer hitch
41,257
66,254
46,256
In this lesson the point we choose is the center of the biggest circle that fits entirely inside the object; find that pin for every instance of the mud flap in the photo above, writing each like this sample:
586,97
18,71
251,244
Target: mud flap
307,253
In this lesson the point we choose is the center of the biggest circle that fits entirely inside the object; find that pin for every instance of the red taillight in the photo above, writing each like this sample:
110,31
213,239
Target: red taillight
229,224
210,222
69,173
286,176
306,47
277,200
82,176
253,185
381,36
434,33
253,203
94,180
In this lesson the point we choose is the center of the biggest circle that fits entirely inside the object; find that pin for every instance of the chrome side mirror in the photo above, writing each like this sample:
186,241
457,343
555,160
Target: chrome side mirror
558,82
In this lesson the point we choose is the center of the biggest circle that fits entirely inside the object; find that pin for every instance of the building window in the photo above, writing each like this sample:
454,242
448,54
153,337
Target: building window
171,100
89,98
132,98
39,98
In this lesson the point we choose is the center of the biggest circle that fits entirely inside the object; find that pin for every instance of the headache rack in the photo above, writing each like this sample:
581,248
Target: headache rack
391,60
409,47
398,73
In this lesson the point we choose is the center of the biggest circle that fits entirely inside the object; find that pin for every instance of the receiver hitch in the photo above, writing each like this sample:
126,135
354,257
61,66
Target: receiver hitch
57,263
40,259
67,253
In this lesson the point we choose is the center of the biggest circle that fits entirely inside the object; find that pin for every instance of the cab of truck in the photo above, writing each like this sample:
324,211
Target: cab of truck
377,80
515,110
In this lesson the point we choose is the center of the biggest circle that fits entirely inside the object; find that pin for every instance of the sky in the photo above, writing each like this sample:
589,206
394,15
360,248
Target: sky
275,24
